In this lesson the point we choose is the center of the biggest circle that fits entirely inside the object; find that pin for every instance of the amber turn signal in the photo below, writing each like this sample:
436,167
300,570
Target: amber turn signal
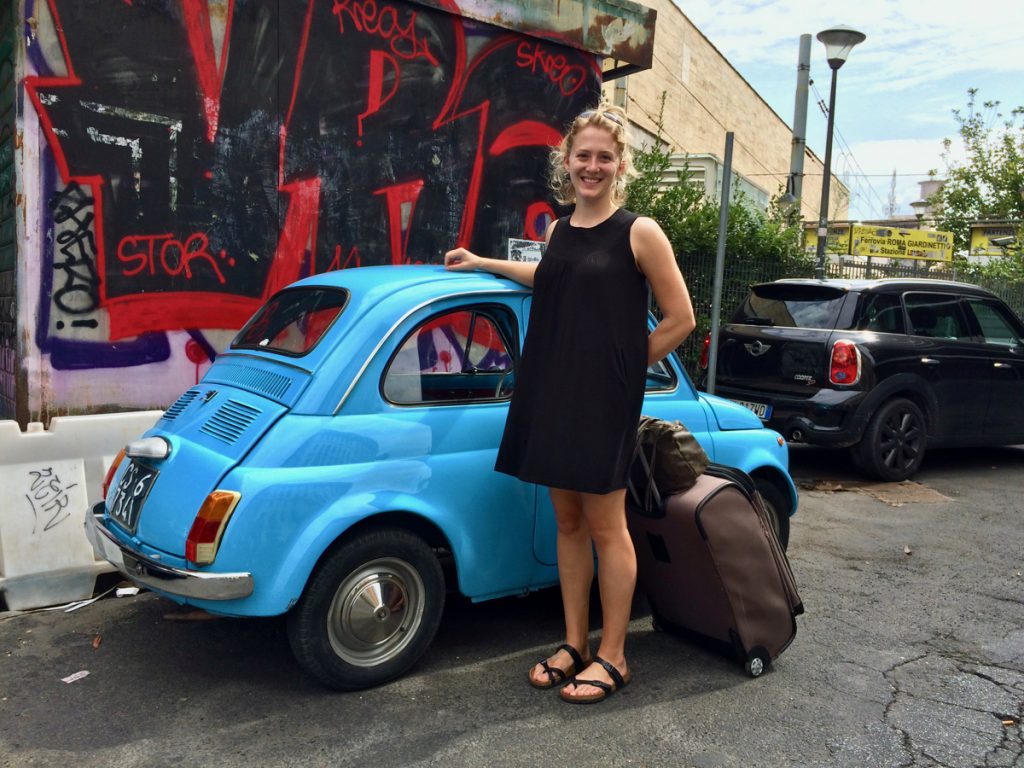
110,473
208,527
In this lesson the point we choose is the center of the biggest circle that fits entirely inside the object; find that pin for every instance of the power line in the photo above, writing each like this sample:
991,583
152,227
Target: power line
878,205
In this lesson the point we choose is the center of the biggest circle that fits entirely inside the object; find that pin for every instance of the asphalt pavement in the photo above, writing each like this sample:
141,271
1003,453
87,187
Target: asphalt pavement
911,653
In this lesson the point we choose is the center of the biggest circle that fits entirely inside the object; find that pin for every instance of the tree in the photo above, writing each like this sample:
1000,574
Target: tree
759,246
989,183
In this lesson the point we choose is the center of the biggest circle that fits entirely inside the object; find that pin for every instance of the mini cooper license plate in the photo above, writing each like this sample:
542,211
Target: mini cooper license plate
763,411
127,499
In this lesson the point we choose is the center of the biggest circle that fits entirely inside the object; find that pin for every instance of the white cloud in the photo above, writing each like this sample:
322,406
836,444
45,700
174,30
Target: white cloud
898,90
912,41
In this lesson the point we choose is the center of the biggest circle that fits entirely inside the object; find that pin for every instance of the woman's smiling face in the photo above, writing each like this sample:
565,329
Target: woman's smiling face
593,163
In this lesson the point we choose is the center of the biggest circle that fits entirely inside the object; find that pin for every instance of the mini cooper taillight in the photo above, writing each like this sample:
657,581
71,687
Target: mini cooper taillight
844,368
705,351
208,527
110,473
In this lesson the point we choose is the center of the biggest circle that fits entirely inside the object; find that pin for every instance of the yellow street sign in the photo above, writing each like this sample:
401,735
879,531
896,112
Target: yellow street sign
837,240
894,243
982,234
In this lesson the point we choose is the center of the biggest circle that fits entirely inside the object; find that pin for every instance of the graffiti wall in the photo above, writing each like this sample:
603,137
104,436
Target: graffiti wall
8,220
189,157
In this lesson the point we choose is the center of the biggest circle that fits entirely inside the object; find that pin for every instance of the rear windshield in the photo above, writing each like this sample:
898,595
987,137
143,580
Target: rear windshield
790,306
293,321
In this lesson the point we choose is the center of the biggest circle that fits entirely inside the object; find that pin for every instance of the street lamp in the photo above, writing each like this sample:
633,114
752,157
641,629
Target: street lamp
839,41
920,209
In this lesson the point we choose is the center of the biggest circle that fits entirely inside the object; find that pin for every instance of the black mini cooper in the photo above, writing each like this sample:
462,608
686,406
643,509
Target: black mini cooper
884,367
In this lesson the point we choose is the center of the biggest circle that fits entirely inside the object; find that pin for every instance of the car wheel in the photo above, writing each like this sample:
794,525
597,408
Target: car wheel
370,610
893,443
778,509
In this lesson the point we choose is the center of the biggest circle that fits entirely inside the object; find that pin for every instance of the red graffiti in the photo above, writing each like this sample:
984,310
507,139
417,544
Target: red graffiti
384,21
209,74
401,202
376,97
538,216
353,256
150,253
569,77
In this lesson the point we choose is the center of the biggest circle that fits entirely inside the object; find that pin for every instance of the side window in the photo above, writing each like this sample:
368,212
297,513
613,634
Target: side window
461,356
996,327
937,316
881,312
660,377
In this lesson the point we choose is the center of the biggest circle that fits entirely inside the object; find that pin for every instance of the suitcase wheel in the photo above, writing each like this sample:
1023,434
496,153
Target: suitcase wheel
757,662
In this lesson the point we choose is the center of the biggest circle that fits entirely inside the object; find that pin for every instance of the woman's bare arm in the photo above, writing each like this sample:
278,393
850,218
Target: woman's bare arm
655,258
462,260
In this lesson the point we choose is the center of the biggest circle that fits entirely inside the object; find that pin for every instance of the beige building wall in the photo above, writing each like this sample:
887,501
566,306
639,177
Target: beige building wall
704,98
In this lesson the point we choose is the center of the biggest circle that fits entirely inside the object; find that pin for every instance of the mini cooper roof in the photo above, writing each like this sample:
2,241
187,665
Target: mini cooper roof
886,285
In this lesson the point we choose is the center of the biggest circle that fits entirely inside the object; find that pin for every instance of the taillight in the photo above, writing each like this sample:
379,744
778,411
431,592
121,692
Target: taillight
705,351
845,365
110,473
204,537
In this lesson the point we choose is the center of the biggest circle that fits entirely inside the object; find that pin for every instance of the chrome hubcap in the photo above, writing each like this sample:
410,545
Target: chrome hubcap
375,612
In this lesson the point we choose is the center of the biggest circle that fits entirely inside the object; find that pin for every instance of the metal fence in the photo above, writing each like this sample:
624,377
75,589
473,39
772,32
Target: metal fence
739,276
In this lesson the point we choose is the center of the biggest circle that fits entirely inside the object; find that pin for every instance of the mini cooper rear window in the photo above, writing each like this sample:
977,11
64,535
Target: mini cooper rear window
790,306
293,321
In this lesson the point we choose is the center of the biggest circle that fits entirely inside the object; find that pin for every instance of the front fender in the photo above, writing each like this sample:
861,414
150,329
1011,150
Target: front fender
756,451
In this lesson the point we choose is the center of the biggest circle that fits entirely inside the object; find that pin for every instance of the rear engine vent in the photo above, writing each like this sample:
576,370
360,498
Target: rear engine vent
230,421
271,384
180,405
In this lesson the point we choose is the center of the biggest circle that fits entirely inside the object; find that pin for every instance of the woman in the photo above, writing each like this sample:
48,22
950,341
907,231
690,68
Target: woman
573,417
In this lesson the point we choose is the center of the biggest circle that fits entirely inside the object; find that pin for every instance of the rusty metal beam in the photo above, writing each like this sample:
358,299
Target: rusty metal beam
617,29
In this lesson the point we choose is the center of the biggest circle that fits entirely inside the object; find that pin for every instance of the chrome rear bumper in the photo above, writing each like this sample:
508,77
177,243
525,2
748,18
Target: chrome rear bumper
149,573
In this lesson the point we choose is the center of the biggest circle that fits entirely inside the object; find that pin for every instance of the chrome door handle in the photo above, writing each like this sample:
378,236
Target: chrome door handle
929,361
1001,365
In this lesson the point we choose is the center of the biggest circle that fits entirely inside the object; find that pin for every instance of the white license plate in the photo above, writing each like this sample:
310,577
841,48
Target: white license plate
763,411
126,500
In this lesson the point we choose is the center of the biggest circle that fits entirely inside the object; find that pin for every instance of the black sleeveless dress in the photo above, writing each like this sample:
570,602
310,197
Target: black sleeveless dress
574,414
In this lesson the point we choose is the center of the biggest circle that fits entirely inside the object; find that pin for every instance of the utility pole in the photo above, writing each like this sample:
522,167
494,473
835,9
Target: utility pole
795,183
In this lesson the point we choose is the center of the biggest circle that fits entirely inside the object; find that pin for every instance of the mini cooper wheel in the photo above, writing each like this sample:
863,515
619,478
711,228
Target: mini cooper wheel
893,444
370,610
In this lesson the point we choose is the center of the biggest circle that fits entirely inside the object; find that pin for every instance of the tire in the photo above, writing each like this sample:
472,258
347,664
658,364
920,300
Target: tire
369,611
893,444
778,508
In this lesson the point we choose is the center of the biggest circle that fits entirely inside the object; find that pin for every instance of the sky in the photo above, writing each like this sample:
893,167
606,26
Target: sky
895,93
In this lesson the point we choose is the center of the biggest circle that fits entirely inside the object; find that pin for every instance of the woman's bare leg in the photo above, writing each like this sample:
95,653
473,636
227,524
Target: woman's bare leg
575,575
605,517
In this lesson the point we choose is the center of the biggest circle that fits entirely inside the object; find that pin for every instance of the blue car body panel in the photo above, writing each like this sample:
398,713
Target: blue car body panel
315,448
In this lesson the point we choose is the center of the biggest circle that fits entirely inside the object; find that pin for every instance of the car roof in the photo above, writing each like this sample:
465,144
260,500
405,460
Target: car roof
426,278
886,285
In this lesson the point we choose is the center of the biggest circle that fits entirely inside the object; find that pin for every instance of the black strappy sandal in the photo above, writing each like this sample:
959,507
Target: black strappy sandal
555,675
607,690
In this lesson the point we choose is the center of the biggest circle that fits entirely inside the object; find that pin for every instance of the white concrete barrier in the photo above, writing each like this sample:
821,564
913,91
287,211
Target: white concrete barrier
48,479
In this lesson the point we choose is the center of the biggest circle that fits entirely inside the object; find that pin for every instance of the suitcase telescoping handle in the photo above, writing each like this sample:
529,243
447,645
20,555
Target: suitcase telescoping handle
651,504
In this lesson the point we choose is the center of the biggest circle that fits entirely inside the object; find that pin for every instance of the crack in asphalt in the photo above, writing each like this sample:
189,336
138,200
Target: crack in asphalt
1007,753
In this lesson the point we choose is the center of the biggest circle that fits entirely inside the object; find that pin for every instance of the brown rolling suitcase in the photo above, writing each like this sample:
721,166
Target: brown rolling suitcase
712,567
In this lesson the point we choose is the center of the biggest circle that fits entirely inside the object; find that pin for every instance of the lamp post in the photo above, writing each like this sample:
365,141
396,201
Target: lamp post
920,209
839,41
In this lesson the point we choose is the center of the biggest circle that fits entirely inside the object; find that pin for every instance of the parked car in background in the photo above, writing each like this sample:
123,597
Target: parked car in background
336,463
887,368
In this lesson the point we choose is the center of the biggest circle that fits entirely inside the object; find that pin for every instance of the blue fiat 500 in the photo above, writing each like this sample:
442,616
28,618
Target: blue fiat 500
337,464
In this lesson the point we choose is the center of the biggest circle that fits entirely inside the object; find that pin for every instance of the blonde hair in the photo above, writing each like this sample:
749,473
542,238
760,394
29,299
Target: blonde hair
608,118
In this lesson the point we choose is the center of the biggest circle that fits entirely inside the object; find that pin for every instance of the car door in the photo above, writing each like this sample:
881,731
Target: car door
448,385
951,361
1002,339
